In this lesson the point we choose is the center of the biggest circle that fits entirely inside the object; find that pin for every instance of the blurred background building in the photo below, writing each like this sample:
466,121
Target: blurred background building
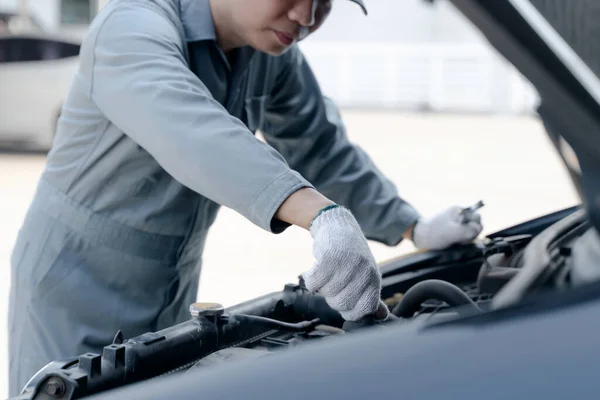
55,14
408,54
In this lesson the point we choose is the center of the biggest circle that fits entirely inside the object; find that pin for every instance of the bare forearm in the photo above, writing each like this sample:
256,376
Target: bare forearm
409,233
301,207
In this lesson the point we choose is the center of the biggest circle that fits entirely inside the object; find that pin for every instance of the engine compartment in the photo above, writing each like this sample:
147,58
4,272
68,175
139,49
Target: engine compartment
420,289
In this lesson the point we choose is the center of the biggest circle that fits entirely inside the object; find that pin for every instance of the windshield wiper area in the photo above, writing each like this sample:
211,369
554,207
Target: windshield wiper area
543,259
583,264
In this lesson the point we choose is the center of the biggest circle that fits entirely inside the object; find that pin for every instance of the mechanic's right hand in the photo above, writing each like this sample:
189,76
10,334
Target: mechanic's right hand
345,271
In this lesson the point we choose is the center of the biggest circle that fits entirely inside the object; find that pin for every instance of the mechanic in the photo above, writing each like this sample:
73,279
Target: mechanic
156,134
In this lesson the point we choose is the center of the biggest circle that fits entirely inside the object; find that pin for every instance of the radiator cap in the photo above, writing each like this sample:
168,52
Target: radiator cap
206,310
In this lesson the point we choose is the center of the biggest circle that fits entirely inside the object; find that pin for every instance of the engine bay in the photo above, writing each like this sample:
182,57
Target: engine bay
421,289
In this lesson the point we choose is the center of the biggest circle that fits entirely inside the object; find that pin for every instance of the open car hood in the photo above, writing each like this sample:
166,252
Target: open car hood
554,44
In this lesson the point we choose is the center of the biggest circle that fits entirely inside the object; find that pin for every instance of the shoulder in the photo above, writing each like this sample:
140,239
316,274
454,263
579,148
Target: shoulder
122,21
126,33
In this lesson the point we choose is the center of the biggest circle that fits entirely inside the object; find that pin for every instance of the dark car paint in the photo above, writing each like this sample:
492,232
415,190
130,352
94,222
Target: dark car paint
23,48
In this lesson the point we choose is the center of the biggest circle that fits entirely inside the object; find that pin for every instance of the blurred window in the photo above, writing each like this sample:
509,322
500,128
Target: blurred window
13,21
77,12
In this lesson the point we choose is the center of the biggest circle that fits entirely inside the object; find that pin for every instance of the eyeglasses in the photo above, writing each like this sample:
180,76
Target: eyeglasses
320,10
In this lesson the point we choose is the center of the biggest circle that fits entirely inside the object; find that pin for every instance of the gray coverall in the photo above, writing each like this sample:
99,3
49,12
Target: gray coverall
155,135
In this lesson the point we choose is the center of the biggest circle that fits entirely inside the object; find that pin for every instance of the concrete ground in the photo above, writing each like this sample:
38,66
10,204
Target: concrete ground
435,160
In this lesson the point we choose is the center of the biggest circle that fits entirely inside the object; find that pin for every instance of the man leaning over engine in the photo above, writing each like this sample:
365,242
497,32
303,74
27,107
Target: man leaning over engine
155,135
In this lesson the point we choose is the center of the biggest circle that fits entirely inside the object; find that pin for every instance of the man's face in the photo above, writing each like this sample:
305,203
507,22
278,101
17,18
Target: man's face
272,26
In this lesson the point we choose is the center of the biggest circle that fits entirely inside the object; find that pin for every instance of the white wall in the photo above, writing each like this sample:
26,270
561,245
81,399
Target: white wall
446,77
46,11
404,54
410,54
397,21
388,21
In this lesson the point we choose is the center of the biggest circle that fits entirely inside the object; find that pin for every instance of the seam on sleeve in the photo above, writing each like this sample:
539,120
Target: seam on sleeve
264,189
285,194
278,200
265,214
93,54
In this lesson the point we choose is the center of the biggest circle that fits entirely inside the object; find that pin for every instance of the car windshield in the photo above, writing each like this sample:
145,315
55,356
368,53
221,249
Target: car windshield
28,49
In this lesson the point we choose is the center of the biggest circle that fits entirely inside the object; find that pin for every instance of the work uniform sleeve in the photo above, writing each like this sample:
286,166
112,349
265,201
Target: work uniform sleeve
307,129
141,83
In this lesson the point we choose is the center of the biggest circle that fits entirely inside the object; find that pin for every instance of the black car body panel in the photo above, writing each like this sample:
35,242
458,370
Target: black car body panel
547,355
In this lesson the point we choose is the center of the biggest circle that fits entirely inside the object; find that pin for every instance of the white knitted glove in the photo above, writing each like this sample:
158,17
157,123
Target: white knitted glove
345,271
445,229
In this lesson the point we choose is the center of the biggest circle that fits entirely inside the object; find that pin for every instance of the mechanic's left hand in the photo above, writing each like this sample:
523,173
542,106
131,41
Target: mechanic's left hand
445,229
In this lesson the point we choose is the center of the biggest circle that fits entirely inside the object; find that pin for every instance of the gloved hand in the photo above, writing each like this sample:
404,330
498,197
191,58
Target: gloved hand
445,229
345,271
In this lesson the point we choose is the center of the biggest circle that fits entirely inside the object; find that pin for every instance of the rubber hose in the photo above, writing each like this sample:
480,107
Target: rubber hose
275,324
437,290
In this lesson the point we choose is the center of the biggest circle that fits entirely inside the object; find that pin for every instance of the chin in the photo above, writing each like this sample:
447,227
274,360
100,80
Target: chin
277,51
272,47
